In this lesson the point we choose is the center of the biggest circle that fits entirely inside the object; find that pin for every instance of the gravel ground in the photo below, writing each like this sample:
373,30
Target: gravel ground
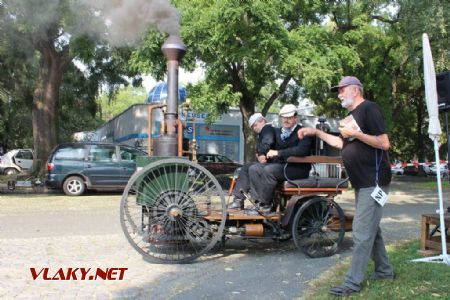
56,231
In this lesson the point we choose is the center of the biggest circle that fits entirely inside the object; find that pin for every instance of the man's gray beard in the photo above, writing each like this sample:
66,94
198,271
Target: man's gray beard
347,102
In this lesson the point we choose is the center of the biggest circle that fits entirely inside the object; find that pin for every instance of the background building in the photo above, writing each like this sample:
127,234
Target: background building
223,137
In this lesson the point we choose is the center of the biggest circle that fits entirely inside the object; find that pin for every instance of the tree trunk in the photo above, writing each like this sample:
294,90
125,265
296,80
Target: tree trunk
45,102
247,108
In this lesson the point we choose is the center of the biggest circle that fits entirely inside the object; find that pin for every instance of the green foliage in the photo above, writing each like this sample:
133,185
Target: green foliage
257,55
125,97
260,53
72,31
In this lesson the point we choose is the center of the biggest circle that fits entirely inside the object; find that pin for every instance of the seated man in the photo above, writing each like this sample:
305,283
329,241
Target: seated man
265,142
265,177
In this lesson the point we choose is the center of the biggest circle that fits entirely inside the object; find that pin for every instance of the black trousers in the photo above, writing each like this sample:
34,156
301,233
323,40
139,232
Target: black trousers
265,177
242,182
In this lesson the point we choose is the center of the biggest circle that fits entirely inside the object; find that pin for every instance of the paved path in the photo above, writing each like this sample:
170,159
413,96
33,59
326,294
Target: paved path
60,232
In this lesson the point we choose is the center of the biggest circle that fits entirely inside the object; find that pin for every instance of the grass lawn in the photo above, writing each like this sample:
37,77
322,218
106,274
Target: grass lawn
414,280
432,184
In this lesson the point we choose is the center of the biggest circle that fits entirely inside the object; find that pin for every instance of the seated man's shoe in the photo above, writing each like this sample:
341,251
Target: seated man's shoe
376,276
258,209
265,208
237,204
342,291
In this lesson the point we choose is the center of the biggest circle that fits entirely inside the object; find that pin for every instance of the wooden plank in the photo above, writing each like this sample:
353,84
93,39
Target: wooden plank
425,229
241,215
315,159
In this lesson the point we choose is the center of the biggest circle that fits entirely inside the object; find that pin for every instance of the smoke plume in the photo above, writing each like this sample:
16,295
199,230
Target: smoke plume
127,20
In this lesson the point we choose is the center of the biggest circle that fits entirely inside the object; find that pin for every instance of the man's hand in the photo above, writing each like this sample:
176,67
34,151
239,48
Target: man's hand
272,153
306,131
262,159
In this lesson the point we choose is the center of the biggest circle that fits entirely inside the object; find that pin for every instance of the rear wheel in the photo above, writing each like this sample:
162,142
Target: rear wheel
319,227
11,171
74,186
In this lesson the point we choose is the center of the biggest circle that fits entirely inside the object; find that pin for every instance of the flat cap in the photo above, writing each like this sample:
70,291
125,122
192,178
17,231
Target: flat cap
346,81
253,118
288,110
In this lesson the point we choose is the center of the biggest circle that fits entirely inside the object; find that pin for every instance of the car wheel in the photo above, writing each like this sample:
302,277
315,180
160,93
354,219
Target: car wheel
11,171
74,186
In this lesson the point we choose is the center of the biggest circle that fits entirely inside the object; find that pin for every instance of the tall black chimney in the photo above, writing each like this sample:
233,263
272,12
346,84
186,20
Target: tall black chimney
174,50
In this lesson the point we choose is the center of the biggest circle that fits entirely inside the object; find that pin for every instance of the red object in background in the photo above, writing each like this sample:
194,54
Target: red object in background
50,166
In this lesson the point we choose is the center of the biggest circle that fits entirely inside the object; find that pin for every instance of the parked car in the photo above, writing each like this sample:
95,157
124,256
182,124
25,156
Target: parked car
77,167
15,161
220,166
417,169
443,170
397,170
217,164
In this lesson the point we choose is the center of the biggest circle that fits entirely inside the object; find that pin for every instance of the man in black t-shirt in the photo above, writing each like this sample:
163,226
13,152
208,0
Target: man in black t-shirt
265,142
364,143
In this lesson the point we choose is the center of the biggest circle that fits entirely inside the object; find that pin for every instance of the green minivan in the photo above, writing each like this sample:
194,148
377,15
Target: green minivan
77,167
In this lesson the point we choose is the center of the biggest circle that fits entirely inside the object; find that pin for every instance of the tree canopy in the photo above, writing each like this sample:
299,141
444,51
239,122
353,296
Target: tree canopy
41,41
256,55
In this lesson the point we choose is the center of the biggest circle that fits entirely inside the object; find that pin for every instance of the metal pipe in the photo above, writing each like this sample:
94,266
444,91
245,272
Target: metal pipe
180,138
150,109
171,115
174,50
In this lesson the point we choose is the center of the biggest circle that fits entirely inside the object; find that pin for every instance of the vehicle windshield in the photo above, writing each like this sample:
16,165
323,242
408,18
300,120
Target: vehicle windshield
224,159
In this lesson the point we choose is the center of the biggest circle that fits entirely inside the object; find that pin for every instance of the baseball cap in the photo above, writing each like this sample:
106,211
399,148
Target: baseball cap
288,110
253,118
347,80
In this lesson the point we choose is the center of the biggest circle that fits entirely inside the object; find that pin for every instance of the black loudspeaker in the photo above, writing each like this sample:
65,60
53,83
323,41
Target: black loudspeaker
443,90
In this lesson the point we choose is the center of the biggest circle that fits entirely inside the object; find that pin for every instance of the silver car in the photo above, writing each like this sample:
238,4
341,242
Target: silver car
15,161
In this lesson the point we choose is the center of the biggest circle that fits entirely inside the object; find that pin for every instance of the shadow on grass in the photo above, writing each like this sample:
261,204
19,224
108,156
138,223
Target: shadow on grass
414,280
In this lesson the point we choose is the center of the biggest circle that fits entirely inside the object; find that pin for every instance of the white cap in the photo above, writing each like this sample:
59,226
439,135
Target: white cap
288,110
255,117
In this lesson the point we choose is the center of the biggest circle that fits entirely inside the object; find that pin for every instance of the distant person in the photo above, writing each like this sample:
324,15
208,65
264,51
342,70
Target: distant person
364,153
265,177
264,142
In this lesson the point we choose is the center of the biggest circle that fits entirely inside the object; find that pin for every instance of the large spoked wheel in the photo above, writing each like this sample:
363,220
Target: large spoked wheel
173,211
319,227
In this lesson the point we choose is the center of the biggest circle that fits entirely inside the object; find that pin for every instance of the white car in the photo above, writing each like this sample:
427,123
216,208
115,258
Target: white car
15,161
397,170
443,169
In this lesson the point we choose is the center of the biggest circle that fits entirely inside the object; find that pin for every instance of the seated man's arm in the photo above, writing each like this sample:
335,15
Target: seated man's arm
266,140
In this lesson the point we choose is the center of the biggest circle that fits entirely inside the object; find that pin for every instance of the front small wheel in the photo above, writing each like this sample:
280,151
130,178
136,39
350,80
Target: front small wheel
319,227
74,186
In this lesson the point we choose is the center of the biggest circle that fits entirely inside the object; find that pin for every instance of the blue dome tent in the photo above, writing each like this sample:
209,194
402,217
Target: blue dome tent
158,94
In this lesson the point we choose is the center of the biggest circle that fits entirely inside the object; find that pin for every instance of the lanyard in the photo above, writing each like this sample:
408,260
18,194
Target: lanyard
377,164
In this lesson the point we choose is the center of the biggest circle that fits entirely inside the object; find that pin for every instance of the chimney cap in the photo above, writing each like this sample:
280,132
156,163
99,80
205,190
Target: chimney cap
173,42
